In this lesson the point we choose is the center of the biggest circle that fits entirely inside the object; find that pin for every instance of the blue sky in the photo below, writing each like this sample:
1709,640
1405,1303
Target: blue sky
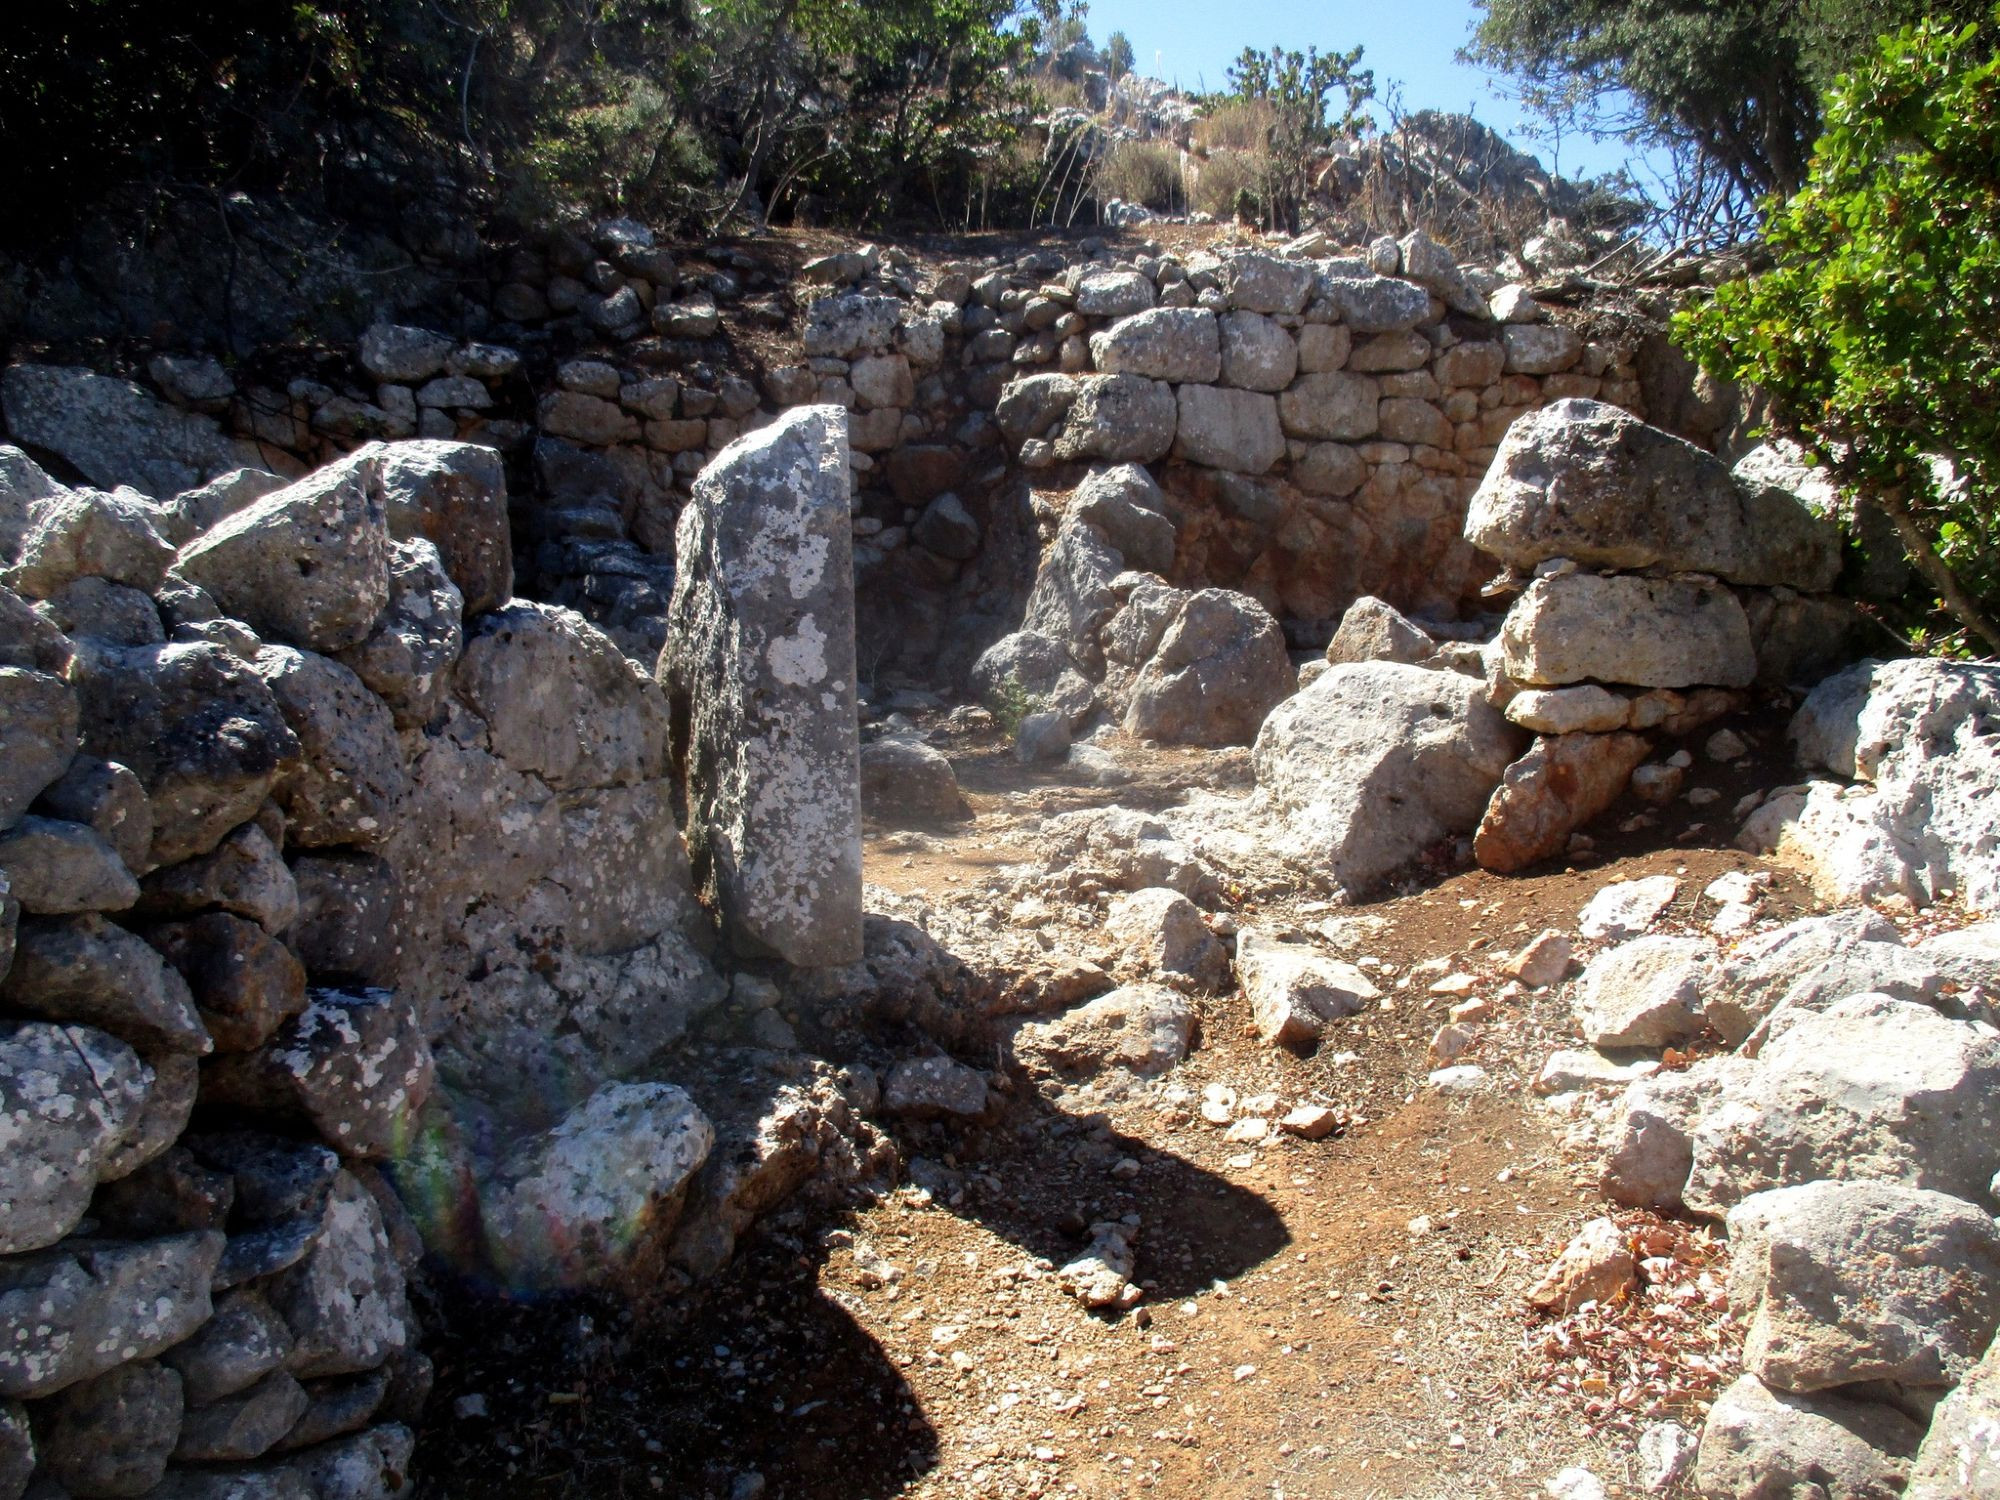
1408,42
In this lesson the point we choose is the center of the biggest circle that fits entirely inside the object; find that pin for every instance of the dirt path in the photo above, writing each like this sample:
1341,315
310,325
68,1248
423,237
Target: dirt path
1333,1318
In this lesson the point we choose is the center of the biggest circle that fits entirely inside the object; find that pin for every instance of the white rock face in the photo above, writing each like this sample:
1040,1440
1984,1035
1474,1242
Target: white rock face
1375,761
1294,990
1648,632
1645,993
760,652
577,1200
1591,482
1849,1281
1915,816
1873,1088
1626,908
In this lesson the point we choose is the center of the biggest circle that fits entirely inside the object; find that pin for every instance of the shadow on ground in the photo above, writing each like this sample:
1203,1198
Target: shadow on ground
764,1371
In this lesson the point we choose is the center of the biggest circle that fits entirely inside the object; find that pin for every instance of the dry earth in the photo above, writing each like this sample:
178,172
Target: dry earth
1332,1318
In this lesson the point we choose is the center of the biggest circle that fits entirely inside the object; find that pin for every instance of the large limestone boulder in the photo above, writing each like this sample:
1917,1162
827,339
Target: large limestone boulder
1257,353
1072,598
1166,343
346,1303
78,534
1376,761
1760,1444
68,1096
38,737
1591,482
1648,632
349,780
1224,428
307,565
1871,1088
574,1204
1849,1281
1761,970
1912,816
454,496
1645,993
1220,668
1130,510
760,659
115,432
1122,418
199,728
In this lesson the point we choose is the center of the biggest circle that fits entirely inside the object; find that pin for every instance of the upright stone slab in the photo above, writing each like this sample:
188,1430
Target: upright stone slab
759,666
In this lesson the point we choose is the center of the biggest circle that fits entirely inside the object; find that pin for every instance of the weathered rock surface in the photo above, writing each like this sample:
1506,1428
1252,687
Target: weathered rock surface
1372,630
1376,761
69,1096
349,780
87,971
38,736
454,496
1161,929
903,779
345,1303
1562,783
55,867
1591,482
112,1434
1218,671
761,655
1873,1088
574,1204
1760,1444
1120,418
1843,1282
1649,632
1294,990
1225,428
1165,343
1913,737
1960,1456
115,432
1139,1029
307,565
1645,993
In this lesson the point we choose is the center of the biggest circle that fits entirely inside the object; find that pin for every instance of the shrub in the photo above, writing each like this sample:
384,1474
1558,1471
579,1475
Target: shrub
1876,332
1142,172
1229,185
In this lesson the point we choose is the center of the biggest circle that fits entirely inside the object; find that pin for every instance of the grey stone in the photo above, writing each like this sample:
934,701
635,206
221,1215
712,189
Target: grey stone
353,1062
1294,990
947,528
760,653
111,1435
372,1465
927,1088
1842,1282
1267,284
1017,670
1220,669
1591,482
76,534
55,867
1960,1456
394,351
192,512
906,780
1376,304
1432,267
108,1302
1332,404
1372,630
1540,348
196,725
108,798
84,970
1042,739
245,1341
17,1450
347,925
1584,709
336,1406
1257,354
113,431
233,1429
1224,428
454,496
853,323
349,780
277,1179
1128,508
1758,972
38,737
1375,762
68,1096
243,874
1647,632
105,611
407,659
308,564
567,1204
1111,294
1166,343
169,1106
245,983
1871,1088
346,1303
1122,418
28,639
560,700
1138,1029
1759,1444
22,483
1162,930
1645,993
255,1254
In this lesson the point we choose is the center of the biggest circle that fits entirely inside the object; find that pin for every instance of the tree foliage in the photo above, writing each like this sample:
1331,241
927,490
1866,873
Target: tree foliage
1295,93
1729,89
1877,331
1118,56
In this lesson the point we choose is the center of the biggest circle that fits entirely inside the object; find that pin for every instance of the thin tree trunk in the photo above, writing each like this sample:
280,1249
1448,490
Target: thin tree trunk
1936,570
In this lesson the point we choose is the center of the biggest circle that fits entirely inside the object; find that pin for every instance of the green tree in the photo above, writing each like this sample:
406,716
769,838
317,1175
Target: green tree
1876,332
1295,90
1734,83
1118,57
